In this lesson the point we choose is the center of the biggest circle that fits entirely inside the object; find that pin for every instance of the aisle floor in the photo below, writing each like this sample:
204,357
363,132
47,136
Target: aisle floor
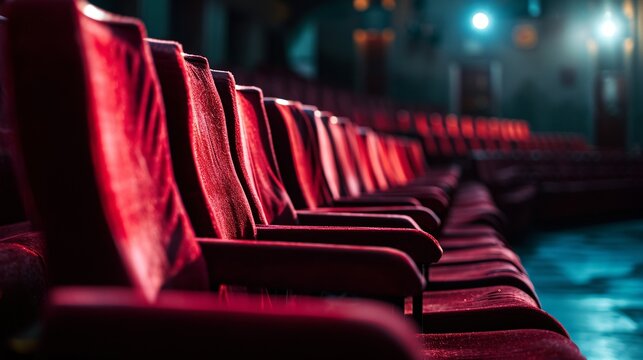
591,279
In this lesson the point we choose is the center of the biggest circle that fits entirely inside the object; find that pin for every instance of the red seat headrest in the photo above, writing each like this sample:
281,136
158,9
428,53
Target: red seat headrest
94,152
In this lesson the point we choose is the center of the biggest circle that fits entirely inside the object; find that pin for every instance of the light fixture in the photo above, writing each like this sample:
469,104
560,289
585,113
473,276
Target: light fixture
608,28
480,21
361,5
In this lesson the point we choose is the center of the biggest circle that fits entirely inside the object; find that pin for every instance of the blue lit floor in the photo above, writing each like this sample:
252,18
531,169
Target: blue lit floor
591,280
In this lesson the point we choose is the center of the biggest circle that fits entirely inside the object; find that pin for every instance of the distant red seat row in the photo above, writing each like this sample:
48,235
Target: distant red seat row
176,205
450,135
445,135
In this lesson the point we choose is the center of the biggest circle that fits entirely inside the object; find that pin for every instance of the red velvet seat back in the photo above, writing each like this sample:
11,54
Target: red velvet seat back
227,201
400,172
417,158
95,156
389,167
424,130
326,152
373,146
274,199
467,128
439,132
172,74
348,168
306,127
360,153
399,152
453,131
207,178
239,151
298,161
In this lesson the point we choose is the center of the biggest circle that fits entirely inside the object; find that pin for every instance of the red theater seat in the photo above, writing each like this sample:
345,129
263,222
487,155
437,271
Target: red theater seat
115,218
268,186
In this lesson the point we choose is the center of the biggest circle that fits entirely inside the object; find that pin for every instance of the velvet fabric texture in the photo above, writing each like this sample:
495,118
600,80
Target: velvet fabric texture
483,309
196,130
302,174
299,159
515,344
23,277
232,217
310,234
238,142
119,220
226,192
109,205
275,200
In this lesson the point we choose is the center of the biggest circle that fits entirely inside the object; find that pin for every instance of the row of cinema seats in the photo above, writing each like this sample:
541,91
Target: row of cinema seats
572,186
445,136
185,215
452,136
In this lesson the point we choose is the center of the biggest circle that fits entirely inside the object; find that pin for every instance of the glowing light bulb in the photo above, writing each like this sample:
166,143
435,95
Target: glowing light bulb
480,21
608,28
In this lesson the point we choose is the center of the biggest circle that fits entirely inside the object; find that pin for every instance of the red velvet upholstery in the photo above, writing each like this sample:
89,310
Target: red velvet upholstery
155,246
356,180
393,221
302,174
114,215
307,156
207,180
358,146
208,122
223,327
424,217
472,310
284,121
274,198
311,234
326,153
480,254
422,248
347,165
515,344
289,123
238,143
268,180
370,139
467,242
22,277
119,218
218,179
491,273
288,264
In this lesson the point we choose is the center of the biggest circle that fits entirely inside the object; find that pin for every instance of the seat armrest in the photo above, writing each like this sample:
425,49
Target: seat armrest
433,198
314,218
425,218
116,323
376,200
417,244
357,270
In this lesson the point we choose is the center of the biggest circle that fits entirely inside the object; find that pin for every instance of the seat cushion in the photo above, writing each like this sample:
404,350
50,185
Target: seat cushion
479,275
480,254
483,309
22,279
514,344
455,243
